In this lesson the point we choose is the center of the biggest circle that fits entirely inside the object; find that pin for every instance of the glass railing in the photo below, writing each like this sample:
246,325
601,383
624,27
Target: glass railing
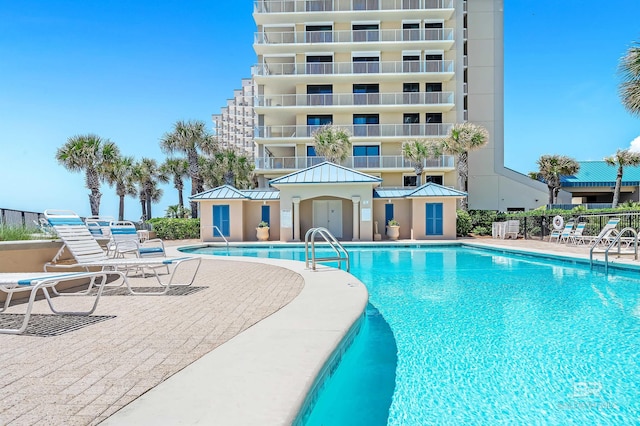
349,99
343,68
358,162
288,6
358,130
355,36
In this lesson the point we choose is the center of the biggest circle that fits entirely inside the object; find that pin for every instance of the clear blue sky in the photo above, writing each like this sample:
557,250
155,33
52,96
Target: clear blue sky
128,70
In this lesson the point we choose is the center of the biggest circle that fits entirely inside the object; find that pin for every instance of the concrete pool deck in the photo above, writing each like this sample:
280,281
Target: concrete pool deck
243,354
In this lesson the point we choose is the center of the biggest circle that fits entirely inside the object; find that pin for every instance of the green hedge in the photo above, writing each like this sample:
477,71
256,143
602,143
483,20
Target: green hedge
175,229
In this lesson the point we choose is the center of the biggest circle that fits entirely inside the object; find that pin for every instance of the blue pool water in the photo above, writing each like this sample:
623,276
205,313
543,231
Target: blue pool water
457,335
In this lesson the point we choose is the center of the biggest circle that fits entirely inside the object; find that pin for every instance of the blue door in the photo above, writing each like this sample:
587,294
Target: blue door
266,213
221,220
434,219
388,215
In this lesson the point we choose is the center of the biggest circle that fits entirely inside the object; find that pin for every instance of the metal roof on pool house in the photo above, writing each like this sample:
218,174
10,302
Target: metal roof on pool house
325,172
228,192
599,173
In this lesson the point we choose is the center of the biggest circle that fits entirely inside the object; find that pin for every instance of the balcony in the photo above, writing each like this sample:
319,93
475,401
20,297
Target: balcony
370,162
357,130
351,99
288,6
357,36
347,68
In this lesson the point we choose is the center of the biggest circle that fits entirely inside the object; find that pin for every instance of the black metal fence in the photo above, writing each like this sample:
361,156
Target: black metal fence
10,217
540,227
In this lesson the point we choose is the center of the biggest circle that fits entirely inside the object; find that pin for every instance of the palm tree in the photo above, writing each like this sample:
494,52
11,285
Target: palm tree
419,150
121,174
332,143
228,168
629,69
551,168
622,158
92,154
190,138
148,175
463,138
176,169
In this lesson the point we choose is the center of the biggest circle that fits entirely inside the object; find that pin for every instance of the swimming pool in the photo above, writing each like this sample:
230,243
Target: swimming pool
462,335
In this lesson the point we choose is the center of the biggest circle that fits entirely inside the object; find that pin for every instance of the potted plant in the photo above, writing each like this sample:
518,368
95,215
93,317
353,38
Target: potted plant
393,229
262,231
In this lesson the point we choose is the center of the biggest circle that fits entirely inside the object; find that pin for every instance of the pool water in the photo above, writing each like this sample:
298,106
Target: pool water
457,335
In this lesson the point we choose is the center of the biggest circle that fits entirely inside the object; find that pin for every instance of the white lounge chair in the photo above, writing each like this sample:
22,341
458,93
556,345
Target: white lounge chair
20,282
512,230
557,234
607,233
87,253
577,233
126,240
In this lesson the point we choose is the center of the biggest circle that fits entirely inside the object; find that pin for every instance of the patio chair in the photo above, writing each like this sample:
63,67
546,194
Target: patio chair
126,240
11,283
512,229
87,253
577,233
567,232
607,233
557,234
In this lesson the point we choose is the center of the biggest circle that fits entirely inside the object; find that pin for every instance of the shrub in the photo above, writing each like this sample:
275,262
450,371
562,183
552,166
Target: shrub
16,233
463,223
175,229
481,230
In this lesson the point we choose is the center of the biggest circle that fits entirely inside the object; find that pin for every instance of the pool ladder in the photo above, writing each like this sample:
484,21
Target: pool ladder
617,241
341,254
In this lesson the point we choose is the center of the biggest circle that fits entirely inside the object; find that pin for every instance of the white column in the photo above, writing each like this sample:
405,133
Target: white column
356,218
296,218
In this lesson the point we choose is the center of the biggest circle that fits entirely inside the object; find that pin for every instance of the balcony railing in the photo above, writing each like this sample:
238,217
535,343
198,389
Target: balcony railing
355,36
283,6
343,68
350,99
357,130
368,162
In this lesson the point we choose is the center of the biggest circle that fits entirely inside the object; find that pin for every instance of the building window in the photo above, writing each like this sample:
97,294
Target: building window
366,156
366,65
433,179
433,87
366,125
365,4
365,32
221,220
366,94
319,94
411,31
411,93
434,63
314,122
410,180
411,63
411,126
433,31
433,225
319,64
319,34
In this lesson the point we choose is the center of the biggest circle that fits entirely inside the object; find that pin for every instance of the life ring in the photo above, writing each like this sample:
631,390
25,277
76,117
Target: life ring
558,222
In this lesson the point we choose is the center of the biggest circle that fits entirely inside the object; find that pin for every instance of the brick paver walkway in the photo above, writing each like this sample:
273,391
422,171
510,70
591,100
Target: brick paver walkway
84,376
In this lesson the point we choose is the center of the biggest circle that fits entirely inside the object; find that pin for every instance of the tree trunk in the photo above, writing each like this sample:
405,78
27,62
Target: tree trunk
463,174
149,201
94,202
144,210
550,194
616,191
121,208
180,198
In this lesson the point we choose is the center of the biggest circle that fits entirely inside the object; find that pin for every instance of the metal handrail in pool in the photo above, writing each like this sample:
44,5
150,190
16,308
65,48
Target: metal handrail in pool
333,243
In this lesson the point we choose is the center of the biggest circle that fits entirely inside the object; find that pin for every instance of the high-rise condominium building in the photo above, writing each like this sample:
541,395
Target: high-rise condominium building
235,124
389,71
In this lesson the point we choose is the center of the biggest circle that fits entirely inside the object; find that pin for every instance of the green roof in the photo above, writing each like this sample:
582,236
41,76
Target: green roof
599,173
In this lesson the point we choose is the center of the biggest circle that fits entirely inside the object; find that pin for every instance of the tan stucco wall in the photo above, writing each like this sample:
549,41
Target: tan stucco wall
253,216
236,225
318,191
448,215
